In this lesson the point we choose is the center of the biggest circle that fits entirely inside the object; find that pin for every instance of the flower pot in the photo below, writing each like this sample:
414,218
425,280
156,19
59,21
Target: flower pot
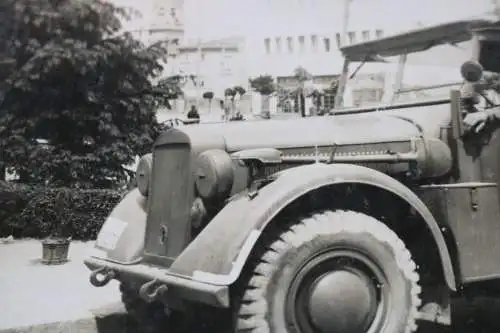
55,251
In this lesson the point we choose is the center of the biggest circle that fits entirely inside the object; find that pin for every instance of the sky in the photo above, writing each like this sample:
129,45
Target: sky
210,19
215,18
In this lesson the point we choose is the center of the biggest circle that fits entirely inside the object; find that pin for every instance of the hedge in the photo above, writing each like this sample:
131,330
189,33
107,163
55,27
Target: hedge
40,212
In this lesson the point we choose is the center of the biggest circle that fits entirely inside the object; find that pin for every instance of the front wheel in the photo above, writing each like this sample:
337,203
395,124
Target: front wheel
335,272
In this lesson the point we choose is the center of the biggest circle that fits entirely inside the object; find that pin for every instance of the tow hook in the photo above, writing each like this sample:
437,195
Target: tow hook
149,292
101,277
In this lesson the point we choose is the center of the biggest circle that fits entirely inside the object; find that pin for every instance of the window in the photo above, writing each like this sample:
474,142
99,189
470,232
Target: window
314,43
267,45
366,35
352,37
329,101
278,44
339,39
327,44
302,45
289,41
379,33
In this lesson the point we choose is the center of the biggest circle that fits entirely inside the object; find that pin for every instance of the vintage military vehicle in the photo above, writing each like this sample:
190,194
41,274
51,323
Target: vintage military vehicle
367,220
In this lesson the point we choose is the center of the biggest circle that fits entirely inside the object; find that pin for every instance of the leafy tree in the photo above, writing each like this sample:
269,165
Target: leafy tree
239,90
83,87
284,98
302,75
169,88
210,96
7,62
263,84
229,92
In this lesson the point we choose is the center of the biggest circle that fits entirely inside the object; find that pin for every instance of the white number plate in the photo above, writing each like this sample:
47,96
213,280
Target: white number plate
110,233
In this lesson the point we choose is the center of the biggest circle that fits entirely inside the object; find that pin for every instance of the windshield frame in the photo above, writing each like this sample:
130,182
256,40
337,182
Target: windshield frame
401,46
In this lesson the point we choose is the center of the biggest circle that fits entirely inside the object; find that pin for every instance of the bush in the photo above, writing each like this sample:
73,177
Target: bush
39,212
208,95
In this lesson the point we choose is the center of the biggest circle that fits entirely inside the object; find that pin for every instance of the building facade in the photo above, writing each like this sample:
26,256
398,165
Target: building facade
213,65
280,35
304,33
154,20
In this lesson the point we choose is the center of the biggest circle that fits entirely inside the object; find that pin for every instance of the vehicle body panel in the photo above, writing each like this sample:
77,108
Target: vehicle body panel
471,206
381,126
121,238
472,211
218,254
379,130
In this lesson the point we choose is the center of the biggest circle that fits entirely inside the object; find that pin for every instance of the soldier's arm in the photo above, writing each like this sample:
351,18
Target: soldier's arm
493,114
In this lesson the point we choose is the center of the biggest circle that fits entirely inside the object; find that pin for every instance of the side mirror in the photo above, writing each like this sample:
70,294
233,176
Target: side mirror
471,71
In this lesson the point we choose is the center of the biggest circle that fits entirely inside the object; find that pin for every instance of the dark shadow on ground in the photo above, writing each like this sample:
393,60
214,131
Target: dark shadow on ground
112,319
480,315
113,324
38,262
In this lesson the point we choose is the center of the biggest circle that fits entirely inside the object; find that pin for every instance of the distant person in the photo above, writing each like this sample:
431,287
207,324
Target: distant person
193,113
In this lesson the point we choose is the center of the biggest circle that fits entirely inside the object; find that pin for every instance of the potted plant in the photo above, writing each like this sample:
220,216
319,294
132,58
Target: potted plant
209,95
55,248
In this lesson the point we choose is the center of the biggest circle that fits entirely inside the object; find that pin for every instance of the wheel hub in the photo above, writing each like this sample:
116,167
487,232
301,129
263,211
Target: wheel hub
342,301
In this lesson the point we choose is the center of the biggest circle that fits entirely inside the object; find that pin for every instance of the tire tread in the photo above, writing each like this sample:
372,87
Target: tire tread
251,315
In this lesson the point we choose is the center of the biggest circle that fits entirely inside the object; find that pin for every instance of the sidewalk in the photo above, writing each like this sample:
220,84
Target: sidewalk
40,298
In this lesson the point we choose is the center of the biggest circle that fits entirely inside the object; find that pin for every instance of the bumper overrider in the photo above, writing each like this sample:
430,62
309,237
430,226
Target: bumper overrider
118,255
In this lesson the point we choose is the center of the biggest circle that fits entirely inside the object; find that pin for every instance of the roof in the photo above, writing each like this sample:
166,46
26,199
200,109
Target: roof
414,41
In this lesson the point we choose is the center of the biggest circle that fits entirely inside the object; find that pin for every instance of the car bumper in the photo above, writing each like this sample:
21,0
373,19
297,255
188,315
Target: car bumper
181,287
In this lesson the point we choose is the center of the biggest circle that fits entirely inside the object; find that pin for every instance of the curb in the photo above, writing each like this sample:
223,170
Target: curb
100,323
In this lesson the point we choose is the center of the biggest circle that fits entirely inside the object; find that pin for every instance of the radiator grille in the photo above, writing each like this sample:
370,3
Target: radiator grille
169,201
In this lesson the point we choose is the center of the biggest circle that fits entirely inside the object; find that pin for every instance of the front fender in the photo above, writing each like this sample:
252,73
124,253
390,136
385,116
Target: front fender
121,238
219,253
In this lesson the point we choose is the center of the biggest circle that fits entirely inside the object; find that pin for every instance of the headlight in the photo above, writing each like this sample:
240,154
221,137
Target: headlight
214,174
143,173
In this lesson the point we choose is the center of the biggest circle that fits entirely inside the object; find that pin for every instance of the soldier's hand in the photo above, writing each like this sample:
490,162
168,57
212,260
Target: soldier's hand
475,122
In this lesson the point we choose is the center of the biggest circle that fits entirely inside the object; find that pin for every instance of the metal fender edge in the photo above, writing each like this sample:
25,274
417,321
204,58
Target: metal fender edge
219,253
